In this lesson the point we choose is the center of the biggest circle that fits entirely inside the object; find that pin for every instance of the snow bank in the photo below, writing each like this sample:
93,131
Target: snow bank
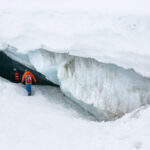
105,87
116,38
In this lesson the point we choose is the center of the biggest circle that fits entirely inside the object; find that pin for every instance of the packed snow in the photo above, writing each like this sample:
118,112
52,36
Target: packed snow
46,121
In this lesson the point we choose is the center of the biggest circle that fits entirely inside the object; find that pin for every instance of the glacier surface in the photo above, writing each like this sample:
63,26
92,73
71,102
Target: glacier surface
108,87
50,120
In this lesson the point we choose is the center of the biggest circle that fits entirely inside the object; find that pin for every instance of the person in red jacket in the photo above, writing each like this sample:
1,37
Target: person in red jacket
28,77
16,75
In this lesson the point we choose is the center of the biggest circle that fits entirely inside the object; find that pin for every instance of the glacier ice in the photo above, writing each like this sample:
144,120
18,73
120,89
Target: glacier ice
105,90
103,87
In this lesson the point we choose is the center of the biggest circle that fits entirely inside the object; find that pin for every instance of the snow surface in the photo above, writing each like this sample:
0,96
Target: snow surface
116,38
97,6
45,121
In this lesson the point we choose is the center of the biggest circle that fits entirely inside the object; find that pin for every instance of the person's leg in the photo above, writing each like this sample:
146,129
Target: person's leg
26,85
29,91
28,88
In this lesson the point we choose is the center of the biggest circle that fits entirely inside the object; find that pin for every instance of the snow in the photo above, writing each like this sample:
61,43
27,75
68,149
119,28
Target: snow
97,6
98,52
116,38
42,122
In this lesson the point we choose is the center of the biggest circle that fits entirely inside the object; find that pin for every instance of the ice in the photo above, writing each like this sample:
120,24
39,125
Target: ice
105,90
19,57
106,87
47,63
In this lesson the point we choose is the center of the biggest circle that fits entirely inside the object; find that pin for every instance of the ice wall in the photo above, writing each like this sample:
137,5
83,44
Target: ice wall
48,62
105,87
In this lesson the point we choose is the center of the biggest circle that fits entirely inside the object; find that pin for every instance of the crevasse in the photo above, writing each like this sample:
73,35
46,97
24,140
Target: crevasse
103,89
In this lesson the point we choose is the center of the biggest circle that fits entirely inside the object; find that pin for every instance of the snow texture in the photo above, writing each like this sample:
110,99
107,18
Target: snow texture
47,121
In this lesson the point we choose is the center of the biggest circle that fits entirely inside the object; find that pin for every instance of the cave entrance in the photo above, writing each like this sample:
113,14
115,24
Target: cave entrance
7,65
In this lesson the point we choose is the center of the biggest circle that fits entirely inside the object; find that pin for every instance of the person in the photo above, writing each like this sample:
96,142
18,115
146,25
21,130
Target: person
16,75
27,77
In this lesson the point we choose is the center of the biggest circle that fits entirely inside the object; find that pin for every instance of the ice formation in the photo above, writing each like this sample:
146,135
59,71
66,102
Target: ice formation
106,87
103,59
105,90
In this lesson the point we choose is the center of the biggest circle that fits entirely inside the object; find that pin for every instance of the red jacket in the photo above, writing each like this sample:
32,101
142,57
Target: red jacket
16,76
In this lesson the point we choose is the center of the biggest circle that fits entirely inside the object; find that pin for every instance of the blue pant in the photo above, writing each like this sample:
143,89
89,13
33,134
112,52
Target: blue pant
28,88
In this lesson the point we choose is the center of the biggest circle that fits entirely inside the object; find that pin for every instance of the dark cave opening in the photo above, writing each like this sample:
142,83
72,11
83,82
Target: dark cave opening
7,65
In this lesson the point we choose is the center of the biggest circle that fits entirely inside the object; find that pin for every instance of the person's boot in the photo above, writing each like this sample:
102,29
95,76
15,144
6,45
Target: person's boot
29,94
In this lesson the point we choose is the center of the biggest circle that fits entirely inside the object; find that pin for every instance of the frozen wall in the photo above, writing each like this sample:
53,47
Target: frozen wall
105,87
48,62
